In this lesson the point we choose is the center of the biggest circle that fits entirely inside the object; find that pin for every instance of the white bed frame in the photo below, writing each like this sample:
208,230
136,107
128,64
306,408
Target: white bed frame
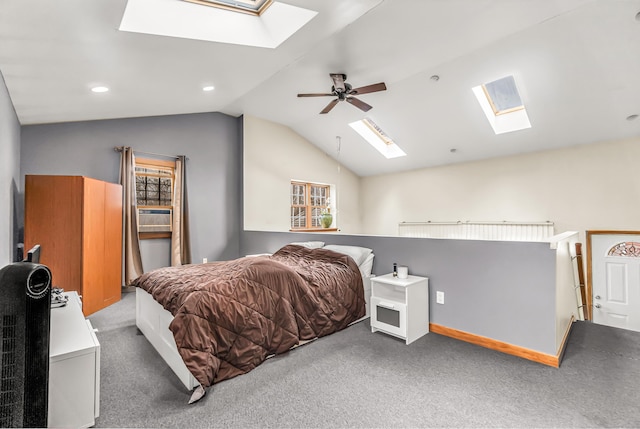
153,321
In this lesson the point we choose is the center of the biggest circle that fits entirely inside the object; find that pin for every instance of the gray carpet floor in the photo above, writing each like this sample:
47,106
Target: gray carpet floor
356,379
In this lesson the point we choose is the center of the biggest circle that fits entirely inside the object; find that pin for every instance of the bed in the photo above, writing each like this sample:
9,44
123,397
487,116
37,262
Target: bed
211,322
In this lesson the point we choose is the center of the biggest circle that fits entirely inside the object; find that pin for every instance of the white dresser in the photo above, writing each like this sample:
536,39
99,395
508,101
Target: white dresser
74,368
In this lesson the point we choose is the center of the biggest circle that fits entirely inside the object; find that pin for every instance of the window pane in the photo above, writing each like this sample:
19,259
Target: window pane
298,217
504,94
319,196
316,217
154,186
297,194
140,183
165,190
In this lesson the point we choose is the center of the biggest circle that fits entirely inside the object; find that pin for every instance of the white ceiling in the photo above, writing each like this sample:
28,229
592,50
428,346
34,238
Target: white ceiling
576,62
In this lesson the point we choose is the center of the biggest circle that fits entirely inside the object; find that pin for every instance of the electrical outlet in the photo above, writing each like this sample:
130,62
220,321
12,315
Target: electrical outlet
204,260
439,297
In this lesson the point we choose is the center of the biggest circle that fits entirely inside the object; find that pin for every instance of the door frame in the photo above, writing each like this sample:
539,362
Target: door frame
589,290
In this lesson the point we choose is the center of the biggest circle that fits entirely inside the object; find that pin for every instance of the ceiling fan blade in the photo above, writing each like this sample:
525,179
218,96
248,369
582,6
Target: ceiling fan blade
315,95
330,106
338,81
369,88
359,104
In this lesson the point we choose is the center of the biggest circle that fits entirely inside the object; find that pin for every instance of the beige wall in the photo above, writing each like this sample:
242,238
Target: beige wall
273,156
585,187
579,188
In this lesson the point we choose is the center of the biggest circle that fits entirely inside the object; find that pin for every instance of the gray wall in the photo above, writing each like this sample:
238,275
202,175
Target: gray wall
211,142
491,288
496,289
9,176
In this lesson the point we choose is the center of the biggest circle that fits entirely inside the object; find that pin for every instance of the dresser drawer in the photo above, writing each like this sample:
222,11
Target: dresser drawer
389,316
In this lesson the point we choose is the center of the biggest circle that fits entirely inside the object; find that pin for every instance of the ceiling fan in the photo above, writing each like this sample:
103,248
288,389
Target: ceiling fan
345,92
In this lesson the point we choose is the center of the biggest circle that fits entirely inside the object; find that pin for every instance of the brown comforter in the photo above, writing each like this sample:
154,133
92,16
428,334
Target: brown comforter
230,316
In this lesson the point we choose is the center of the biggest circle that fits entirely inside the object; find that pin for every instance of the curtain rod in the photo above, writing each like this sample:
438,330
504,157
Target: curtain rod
120,148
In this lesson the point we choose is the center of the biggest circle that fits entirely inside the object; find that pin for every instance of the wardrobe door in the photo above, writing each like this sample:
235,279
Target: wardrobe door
112,282
93,268
102,265
53,219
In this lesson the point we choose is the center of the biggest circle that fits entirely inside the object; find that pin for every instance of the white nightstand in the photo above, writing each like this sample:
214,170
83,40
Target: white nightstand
400,307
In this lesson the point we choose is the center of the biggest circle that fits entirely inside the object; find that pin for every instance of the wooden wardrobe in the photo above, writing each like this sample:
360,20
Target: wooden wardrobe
78,223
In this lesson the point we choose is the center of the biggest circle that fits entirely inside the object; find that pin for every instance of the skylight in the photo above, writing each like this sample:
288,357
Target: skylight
502,105
187,20
253,7
377,138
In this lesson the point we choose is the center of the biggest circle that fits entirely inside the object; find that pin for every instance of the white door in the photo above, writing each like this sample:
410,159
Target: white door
615,264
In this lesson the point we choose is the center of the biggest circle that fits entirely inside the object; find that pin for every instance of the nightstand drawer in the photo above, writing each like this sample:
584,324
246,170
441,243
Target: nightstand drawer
389,316
389,292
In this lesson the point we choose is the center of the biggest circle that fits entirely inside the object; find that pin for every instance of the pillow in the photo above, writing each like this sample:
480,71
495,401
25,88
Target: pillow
309,244
367,265
359,254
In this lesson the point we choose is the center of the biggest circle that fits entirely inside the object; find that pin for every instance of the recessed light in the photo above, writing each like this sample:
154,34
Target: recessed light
99,89
208,88
453,150
632,117
435,78
638,16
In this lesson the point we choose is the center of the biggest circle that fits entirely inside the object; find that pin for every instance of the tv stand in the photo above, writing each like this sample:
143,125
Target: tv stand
74,367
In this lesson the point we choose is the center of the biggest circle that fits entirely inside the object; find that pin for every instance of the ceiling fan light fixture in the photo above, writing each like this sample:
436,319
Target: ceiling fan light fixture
377,138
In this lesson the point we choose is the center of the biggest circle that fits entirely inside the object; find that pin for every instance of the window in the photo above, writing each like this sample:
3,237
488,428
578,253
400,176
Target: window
377,138
309,201
629,249
503,95
154,197
502,105
247,22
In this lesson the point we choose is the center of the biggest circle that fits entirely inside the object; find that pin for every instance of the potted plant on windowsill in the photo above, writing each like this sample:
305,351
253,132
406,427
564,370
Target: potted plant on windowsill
326,218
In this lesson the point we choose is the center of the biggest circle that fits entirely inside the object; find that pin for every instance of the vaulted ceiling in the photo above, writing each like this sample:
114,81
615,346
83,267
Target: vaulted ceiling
576,63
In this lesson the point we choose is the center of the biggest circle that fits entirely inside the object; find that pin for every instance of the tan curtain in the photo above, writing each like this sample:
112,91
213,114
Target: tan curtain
131,243
180,242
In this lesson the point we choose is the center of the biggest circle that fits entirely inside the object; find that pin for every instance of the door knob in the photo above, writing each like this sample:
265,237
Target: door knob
598,306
